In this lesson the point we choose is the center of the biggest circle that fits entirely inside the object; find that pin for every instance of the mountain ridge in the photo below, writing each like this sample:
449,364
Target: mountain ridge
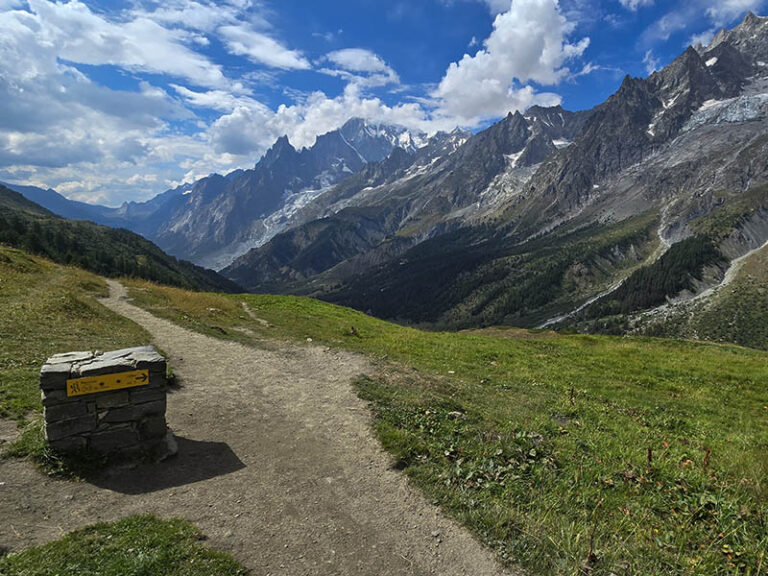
216,218
668,149
103,250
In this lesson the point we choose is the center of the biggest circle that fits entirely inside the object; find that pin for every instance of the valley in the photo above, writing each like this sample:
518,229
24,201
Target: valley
370,214
485,423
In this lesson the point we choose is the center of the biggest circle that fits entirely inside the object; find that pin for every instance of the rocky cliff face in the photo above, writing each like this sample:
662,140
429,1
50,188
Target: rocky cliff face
415,197
222,217
643,118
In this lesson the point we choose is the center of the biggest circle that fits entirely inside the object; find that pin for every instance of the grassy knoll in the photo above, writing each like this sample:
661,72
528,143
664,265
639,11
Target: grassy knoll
570,454
47,308
135,546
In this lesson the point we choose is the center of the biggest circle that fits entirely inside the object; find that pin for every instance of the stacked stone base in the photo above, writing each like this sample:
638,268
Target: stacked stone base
130,421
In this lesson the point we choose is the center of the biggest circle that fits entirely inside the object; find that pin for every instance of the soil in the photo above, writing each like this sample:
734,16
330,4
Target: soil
277,465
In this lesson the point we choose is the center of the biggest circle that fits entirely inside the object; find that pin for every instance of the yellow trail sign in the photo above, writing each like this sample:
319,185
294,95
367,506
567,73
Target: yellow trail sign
106,382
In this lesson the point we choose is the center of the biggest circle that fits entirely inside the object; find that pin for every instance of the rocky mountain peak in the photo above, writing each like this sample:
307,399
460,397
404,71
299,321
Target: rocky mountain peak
555,122
751,20
750,38
687,76
374,141
630,87
353,126
280,149
511,134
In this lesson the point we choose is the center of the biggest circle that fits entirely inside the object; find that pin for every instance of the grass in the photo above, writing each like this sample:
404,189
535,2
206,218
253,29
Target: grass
48,309
134,546
568,454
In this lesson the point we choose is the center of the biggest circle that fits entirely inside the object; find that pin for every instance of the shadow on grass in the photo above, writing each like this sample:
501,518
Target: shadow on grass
196,461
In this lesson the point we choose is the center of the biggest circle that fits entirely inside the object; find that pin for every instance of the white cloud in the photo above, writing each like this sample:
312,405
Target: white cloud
688,14
651,62
140,44
633,5
243,132
498,6
722,12
528,44
244,40
361,67
59,127
703,38
248,129
202,16
220,100
143,178
358,60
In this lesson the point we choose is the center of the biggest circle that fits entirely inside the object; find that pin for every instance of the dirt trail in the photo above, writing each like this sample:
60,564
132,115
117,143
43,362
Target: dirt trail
276,464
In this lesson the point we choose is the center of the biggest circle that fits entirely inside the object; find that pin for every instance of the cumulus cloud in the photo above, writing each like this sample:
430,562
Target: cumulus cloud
253,128
498,6
528,44
359,60
59,127
56,124
141,44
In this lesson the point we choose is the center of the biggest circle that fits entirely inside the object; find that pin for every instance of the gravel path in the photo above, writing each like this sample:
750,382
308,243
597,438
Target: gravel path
277,465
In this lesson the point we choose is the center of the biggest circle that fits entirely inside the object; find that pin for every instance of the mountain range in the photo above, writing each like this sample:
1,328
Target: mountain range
548,218
217,218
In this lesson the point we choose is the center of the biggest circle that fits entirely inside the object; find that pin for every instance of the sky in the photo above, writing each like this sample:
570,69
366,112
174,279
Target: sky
110,101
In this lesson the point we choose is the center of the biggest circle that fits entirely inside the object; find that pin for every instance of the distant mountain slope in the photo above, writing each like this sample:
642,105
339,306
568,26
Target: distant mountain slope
12,201
141,217
58,204
217,218
544,214
453,180
103,250
222,217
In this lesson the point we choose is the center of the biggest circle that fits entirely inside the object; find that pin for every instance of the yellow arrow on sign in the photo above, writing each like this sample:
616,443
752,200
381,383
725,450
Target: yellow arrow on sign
106,382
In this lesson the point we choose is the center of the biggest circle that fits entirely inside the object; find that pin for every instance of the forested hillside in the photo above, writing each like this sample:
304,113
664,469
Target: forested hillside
105,251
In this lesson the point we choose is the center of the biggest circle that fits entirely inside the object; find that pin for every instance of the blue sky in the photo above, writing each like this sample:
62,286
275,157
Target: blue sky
110,101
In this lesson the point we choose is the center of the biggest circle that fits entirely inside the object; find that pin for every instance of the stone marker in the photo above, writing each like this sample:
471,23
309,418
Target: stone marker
111,402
